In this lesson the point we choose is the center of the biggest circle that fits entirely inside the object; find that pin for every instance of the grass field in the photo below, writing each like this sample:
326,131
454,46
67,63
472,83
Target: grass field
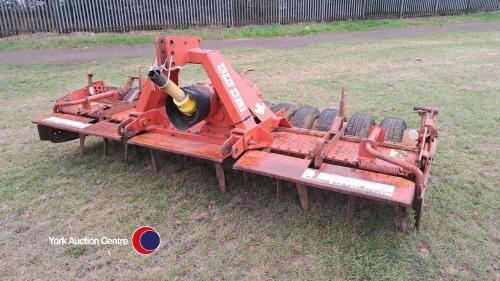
49,190
79,40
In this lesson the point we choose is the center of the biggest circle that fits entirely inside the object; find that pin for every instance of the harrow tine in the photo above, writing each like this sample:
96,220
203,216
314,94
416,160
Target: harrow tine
82,144
154,161
219,171
138,150
184,161
125,151
418,207
279,189
246,177
403,219
352,203
303,196
106,146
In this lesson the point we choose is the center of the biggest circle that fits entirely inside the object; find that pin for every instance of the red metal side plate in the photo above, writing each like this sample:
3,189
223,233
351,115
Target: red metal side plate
68,122
169,143
350,181
271,164
103,129
79,124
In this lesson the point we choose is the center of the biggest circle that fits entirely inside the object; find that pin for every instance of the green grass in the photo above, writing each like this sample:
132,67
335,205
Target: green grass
79,40
49,190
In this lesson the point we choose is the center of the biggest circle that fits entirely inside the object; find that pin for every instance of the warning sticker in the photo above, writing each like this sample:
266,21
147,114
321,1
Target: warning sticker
225,75
399,154
260,108
228,80
66,122
347,182
239,101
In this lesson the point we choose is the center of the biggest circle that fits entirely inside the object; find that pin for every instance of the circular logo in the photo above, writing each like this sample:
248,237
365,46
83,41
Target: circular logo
146,240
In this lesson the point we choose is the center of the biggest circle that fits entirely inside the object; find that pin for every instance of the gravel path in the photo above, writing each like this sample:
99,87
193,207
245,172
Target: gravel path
82,55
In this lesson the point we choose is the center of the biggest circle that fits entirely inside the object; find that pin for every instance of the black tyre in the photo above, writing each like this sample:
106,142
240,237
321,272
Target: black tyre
394,128
359,125
325,119
304,117
289,109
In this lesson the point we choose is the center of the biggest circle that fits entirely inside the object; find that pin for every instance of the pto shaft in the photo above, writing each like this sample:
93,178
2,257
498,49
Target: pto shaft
185,103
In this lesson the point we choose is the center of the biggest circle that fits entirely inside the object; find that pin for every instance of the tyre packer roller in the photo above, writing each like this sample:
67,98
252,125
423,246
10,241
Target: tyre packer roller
228,118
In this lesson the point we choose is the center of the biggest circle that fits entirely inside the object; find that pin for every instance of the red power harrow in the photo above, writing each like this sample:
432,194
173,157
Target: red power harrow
229,119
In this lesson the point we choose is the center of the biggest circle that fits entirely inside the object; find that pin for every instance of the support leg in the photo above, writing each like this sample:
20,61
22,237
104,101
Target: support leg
219,171
418,205
154,161
403,219
303,196
82,144
106,146
352,203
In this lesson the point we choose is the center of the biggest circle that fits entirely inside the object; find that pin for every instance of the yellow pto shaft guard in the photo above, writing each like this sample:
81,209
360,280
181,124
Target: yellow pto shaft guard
185,103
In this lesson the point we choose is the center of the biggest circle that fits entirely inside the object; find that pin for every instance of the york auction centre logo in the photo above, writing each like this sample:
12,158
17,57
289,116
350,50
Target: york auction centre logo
146,240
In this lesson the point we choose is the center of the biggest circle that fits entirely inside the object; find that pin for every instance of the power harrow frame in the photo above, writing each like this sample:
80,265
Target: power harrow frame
231,120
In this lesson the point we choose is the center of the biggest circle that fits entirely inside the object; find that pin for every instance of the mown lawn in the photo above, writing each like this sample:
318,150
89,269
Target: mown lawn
80,40
49,190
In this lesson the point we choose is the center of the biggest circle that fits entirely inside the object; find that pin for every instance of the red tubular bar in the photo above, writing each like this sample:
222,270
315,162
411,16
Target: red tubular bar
419,176
86,99
395,171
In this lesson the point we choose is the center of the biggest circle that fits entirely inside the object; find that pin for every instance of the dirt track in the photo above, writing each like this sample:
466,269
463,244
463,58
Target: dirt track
82,55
